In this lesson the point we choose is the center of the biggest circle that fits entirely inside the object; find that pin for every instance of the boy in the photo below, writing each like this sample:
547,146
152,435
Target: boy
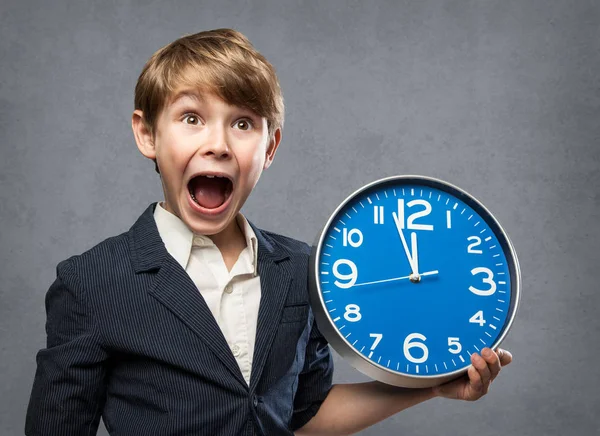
195,322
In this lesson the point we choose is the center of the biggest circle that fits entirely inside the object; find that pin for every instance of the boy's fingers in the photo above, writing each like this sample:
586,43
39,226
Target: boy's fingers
482,367
475,379
493,362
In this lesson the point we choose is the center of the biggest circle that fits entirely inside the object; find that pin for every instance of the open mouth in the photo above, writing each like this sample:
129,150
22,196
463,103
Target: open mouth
210,191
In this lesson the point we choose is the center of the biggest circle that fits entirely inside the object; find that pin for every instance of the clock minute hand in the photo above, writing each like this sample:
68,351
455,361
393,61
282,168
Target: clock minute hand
404,244
428,273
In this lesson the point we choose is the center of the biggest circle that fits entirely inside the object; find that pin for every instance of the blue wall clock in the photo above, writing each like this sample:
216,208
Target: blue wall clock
409,277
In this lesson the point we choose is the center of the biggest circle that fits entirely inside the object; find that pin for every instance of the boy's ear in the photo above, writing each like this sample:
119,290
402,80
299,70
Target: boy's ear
143,136
272,148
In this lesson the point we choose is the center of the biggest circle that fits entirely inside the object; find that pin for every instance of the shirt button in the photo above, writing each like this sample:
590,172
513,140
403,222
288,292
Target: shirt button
229,289
235,350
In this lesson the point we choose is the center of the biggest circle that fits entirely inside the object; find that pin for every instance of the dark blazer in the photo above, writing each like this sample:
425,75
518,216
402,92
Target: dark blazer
131,340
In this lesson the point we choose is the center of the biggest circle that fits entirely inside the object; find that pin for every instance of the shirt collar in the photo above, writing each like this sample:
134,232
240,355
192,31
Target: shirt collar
178,238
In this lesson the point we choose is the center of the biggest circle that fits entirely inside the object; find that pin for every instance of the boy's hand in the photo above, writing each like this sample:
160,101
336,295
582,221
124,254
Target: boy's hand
479,377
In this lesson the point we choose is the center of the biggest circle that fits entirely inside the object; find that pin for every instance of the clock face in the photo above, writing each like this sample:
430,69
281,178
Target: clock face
412,276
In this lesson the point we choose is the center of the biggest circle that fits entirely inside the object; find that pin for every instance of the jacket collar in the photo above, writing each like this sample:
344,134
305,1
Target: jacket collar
147,249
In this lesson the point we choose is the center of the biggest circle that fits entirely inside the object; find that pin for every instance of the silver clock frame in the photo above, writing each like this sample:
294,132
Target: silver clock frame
345,349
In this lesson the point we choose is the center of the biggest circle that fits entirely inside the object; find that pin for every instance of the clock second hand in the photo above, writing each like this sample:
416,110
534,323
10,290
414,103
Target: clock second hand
428,273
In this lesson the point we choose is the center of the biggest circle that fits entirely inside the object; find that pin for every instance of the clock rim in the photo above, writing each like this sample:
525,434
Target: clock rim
345,349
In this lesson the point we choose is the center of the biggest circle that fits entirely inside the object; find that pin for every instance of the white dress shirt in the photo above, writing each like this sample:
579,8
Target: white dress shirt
233,296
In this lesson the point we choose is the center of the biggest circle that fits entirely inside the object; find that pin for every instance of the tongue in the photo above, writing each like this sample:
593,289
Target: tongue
209,192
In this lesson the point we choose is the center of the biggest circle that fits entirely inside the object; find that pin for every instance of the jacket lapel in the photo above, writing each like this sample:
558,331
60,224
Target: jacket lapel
174,289
275,280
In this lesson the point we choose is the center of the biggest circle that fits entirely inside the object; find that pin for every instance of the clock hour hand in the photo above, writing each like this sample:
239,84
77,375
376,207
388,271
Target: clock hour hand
405,245
428,273
415,252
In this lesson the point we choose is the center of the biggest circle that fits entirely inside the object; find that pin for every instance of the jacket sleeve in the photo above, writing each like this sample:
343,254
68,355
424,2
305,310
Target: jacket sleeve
69,387
315,379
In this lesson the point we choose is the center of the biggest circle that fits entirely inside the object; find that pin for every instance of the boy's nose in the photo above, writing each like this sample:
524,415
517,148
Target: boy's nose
217,146
219,151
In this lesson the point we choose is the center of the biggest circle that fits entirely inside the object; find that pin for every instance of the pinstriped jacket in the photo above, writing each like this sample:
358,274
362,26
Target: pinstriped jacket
130,339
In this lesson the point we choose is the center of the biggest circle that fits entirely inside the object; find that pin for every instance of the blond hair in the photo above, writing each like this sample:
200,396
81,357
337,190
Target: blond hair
221,61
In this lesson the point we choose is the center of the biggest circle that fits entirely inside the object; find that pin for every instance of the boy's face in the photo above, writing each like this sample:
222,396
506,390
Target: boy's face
210,156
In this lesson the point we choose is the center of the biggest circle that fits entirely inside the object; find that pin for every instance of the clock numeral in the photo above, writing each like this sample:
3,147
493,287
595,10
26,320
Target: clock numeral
378,214
489,280
410,223
352,313
409,343
478,319
378,337
477,243
350,277
347,237
454,342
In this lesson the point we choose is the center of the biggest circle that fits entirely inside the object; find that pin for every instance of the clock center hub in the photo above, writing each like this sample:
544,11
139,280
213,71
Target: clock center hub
415,278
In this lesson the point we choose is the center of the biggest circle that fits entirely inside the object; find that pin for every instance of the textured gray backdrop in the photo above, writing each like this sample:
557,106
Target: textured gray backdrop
498,97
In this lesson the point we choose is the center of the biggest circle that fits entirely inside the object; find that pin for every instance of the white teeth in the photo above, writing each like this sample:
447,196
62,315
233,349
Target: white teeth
212,176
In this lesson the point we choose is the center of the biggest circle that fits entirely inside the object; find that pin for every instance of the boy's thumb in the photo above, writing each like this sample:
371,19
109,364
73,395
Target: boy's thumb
504,356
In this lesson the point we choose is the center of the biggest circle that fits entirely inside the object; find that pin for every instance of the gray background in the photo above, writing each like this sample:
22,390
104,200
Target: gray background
498,97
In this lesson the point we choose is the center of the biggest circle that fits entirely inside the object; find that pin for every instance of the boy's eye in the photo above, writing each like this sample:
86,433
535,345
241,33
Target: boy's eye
192,117
243,124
